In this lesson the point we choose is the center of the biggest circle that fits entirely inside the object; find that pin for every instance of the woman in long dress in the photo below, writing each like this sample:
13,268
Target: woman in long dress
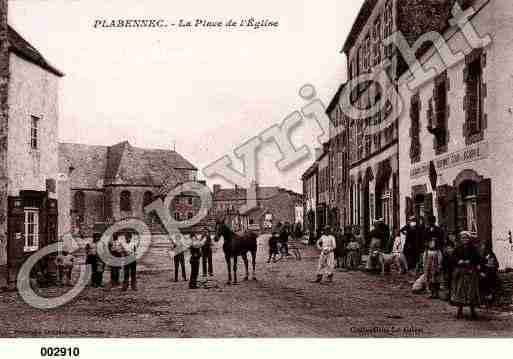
465,287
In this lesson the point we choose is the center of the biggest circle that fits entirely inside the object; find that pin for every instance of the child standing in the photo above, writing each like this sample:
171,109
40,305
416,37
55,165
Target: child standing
353,252
273,247
433,266
64,262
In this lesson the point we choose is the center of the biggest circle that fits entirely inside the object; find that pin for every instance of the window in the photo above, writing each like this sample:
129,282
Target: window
34,126
469,191
177,216
475,93
31,229
388,26
147,199
376,47
125,202
189,215
377,141
189,201
368,144
79,202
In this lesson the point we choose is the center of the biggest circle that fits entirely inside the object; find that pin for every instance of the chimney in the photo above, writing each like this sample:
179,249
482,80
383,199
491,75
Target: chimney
217,188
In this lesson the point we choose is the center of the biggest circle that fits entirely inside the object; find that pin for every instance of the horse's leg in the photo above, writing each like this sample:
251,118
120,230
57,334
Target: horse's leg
245,259
253,261
234,269
227,259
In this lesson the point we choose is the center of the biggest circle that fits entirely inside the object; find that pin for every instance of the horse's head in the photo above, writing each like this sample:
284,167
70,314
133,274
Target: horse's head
221,230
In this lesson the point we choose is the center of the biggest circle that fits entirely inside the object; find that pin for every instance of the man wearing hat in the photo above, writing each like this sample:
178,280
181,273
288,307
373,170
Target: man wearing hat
326,244
206,253
412,231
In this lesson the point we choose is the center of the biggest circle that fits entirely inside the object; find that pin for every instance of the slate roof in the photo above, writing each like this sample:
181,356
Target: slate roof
410,34
121,164
239,194
22,48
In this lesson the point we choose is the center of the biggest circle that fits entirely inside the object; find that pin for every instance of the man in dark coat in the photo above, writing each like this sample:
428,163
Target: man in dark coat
284,239
206,254
413,242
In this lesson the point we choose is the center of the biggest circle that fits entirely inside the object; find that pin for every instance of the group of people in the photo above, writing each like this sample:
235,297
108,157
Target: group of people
284,240
200,250
466,266
124,250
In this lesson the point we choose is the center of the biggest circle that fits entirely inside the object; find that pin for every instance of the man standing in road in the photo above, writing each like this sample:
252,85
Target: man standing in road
326,244
195,249
206,254
130,268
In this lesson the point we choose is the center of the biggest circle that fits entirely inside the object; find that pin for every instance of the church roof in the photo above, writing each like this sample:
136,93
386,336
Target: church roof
121,164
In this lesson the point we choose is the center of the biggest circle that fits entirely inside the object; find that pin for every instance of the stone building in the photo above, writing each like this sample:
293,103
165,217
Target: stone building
338,152
456,132
310,179
373,138
274,204
323,188
29,115
110,183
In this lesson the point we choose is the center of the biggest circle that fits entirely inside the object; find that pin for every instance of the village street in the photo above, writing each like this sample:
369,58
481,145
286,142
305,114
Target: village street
281,303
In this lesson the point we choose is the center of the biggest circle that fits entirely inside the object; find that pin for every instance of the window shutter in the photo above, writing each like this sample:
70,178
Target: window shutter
16,240
484,211
409,207
43,223
483,60
428,205
450,212
466,74
52,221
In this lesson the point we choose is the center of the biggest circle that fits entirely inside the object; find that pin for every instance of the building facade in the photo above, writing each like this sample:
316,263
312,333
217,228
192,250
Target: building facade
310,179
457,136
339,161
373,143
28,149
274,204
111,183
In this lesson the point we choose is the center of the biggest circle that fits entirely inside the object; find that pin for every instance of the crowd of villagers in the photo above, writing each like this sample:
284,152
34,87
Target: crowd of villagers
461,269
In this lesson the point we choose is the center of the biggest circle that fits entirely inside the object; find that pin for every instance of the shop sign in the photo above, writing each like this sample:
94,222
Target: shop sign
454,159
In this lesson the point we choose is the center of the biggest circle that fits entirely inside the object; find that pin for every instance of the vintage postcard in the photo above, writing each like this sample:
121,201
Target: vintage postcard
270,169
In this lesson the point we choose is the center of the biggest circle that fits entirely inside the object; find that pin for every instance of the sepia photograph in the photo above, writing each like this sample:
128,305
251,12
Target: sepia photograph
272,169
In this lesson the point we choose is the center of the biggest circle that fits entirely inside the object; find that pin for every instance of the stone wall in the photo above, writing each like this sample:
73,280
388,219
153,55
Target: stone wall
33,91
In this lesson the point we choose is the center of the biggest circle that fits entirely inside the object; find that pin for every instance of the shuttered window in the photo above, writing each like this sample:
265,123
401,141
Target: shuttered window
415,129
473,103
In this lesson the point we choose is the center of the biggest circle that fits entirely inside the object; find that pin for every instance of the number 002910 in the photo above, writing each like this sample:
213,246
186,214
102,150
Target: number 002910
60,352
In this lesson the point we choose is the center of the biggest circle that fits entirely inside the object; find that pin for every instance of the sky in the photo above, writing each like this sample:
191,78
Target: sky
201,91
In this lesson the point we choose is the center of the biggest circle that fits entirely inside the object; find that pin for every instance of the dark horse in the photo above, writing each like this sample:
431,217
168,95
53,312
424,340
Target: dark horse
236,245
